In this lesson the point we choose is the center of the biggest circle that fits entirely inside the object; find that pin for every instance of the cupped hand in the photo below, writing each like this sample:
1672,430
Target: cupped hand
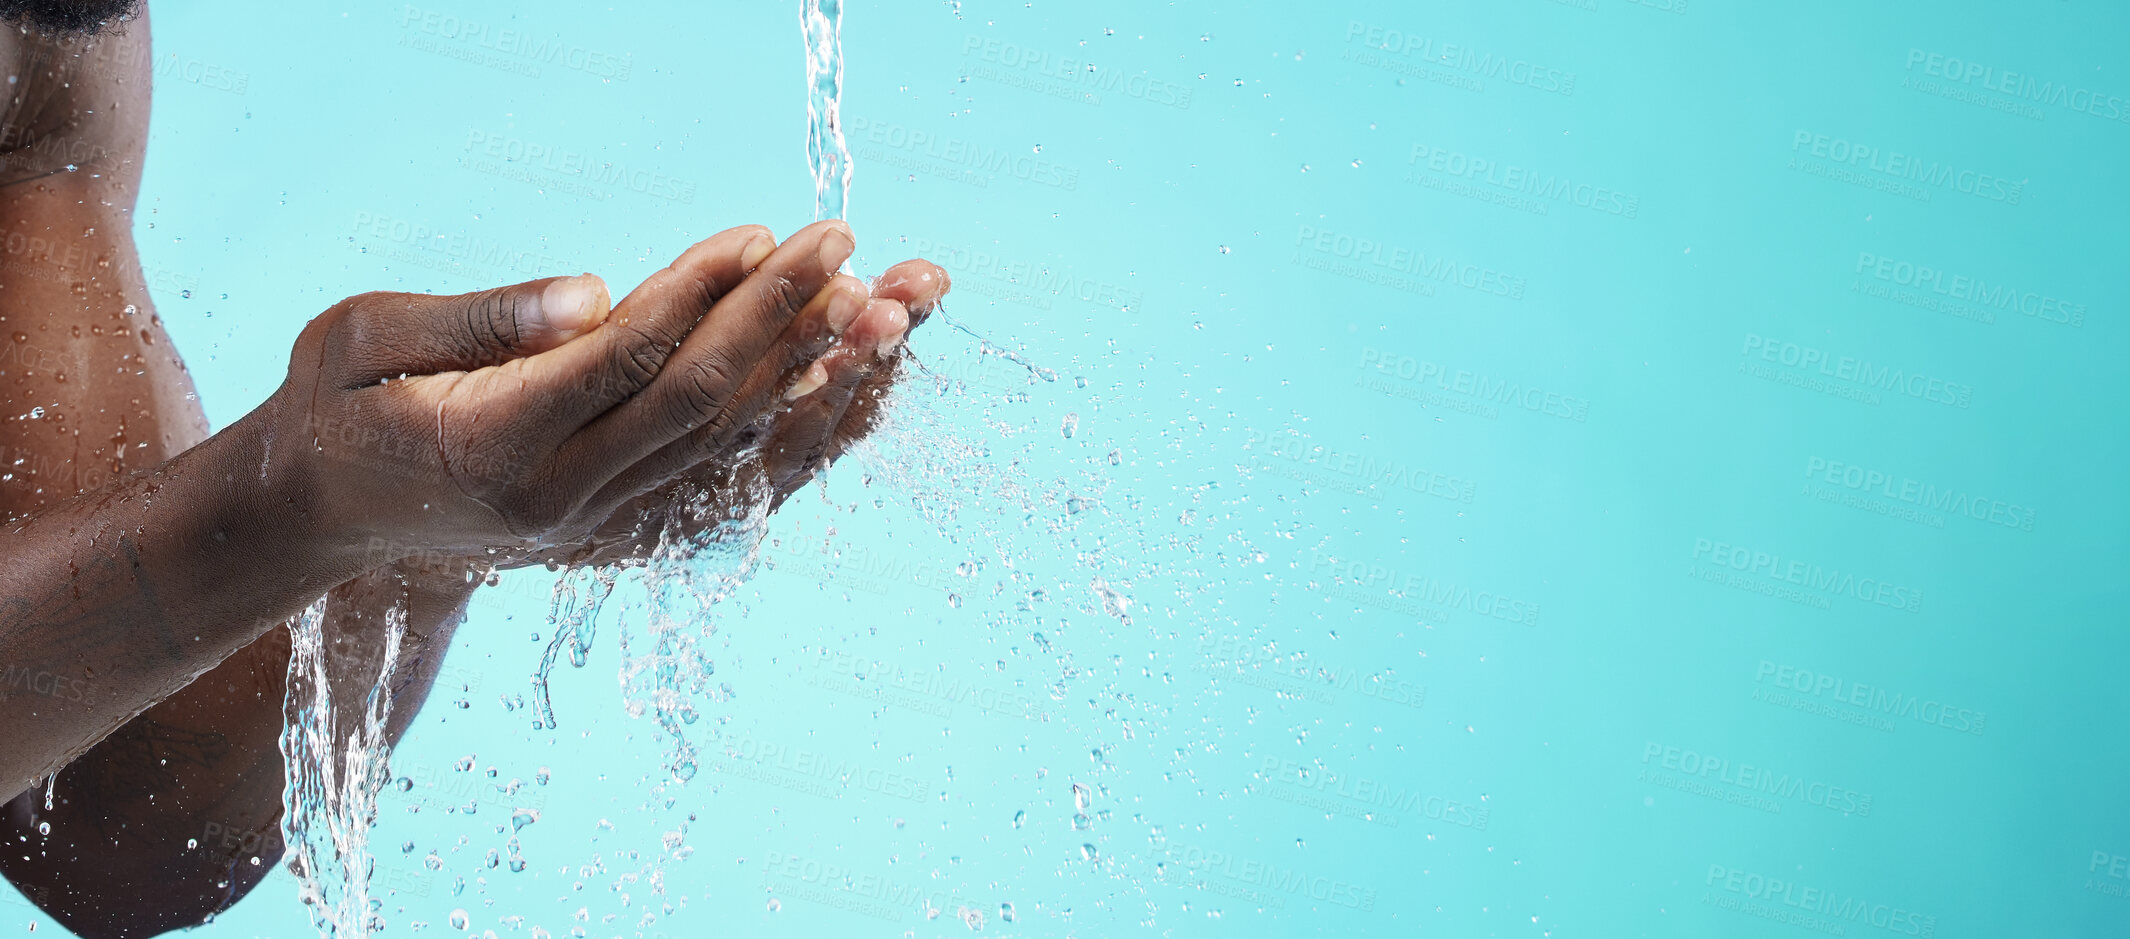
521,418
834,403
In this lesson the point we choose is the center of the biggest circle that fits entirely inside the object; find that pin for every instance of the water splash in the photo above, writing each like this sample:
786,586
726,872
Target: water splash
706,550
821,25
573,614
335,772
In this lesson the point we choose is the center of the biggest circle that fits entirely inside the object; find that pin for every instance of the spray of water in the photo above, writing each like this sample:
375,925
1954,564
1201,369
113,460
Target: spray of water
821,24
706,549
978,494
335,771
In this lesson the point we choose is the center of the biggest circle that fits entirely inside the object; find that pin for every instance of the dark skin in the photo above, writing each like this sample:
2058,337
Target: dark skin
146,565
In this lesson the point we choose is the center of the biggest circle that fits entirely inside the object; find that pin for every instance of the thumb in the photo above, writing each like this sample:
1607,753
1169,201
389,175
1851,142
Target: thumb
426,334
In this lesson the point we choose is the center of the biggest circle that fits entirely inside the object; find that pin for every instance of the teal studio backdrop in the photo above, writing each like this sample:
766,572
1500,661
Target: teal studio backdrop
1565,468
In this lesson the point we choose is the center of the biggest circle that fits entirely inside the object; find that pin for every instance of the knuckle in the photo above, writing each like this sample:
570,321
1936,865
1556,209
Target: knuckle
529,510
630,368
702,389
491,318
786,295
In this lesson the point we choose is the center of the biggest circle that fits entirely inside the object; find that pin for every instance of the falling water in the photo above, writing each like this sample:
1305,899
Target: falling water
335,772
668,607
573,614
821,24
706,547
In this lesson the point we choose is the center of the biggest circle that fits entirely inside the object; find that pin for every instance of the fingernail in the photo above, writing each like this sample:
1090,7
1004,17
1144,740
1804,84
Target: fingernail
575,304
843,310
888,345
757,249
815,377
836,248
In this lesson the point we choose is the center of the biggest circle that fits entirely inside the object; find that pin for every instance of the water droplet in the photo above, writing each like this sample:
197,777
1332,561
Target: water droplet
459,919
1071,423
775,905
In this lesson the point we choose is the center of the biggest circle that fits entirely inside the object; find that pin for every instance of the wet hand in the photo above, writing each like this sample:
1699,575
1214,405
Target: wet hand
835,402
522,418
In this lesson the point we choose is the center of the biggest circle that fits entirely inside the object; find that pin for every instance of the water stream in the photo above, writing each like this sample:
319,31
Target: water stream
335,771
821,26
707,545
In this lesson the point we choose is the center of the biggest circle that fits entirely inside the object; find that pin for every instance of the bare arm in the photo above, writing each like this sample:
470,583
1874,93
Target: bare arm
164,590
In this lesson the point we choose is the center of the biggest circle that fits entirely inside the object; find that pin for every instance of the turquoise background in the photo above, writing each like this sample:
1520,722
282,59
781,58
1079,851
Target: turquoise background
1433,626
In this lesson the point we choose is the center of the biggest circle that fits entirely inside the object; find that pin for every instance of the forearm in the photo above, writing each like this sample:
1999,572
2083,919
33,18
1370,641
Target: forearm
118,598
161,820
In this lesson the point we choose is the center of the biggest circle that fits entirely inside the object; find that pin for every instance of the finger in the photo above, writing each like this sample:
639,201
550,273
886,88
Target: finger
743,407
697,384
387,335
869,401
579,381
921,286
918,284
799,442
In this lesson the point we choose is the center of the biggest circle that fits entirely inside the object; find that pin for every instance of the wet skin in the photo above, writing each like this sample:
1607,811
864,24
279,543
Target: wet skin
418,442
